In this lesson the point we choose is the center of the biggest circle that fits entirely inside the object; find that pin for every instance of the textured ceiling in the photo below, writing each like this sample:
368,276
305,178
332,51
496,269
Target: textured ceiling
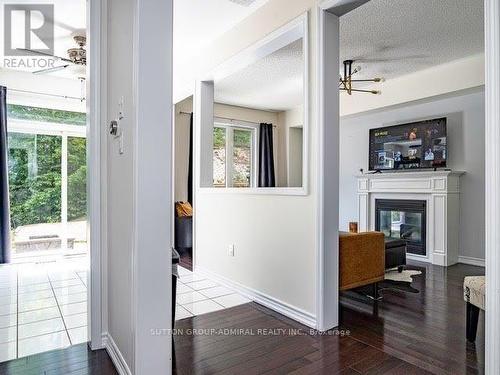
272,83
390,38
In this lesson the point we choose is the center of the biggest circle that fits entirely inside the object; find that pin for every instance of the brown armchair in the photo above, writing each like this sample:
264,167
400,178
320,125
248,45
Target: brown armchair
361,259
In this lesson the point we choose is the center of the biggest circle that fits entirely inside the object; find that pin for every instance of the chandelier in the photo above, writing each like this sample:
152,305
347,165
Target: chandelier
345,82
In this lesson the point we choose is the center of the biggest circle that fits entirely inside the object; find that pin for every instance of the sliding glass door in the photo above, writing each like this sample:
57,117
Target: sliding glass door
47,183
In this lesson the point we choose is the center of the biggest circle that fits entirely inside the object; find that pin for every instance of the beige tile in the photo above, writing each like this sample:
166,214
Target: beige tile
43,343
74,289
78,335
35,296
203,284
8,351
217,291
181,313
40,328
231,300
66,283
190,297
74,308
8,334
34,288
8,309
76,321
8,320
71,298
202,307
37,315
37,304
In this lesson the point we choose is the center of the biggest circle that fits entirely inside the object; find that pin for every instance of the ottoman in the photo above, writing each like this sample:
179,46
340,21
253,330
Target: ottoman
474,295
395,253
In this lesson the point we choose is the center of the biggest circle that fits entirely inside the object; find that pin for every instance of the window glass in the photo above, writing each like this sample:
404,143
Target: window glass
77,193
219,157
21,112
35,190
242,157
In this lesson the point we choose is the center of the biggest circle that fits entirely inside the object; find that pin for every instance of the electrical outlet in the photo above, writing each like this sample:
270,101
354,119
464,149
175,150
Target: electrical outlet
230,251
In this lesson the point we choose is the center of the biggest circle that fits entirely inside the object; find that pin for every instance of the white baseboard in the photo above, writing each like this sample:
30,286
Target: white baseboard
115,355
472,261
272,303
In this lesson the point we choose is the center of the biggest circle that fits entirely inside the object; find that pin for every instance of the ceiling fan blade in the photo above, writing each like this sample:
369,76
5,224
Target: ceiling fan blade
50,70
45,54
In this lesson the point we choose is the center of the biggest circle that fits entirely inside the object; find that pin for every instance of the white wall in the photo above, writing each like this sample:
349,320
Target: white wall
139,184
465,113
43,83
274,236
120,225
291,118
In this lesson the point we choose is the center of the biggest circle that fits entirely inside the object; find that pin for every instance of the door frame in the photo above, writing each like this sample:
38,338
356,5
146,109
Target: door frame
97,172
327,291
492,183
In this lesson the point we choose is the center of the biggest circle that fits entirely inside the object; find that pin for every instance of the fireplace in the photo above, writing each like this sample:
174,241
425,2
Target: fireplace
403,219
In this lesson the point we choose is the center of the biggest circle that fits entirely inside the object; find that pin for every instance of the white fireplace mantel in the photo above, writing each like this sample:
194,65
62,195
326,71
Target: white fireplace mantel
441,191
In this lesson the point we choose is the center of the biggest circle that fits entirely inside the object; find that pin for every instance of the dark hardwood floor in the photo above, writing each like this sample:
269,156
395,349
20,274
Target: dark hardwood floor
75,360
408,333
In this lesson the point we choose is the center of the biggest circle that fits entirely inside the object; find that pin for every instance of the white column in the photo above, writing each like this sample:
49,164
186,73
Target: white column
328,175
492,182
153,206
203,134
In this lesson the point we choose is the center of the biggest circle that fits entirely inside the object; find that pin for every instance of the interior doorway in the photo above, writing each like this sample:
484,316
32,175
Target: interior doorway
44,281
328,56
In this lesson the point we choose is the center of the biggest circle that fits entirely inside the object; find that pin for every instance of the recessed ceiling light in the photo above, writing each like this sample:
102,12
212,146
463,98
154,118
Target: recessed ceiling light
245,3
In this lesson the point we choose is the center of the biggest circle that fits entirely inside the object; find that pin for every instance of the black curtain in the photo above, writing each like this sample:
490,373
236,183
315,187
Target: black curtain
266,156
4,181
190,166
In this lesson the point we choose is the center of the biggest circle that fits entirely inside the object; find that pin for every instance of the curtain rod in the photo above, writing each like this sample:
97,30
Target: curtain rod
45,94
224,118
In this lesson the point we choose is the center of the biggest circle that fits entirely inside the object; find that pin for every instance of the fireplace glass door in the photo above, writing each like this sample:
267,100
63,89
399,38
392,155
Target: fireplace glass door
403,219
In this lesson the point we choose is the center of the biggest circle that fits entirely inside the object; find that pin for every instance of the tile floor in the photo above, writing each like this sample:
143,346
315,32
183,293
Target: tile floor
198,295
43,306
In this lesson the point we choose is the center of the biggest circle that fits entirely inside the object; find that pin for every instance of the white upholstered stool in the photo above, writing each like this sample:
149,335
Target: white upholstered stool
474,295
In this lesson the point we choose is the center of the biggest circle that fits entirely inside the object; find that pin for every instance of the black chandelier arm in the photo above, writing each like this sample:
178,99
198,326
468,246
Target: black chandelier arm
367,80
357,90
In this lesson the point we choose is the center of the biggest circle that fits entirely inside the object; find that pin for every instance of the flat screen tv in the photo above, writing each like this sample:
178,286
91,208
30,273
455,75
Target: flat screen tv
416,145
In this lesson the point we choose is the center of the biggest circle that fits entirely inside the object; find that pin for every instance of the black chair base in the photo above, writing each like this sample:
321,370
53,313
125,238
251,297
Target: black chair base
472,321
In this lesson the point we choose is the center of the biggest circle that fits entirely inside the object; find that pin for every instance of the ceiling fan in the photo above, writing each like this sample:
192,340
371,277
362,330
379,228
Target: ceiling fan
76,56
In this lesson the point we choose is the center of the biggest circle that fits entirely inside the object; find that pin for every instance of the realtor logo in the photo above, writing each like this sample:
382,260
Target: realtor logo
28,26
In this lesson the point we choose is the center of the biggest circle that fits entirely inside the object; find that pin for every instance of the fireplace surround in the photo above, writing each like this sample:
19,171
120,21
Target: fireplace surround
439,190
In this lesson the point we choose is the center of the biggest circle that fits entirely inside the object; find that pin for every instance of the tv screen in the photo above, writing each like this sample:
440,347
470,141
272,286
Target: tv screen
409,146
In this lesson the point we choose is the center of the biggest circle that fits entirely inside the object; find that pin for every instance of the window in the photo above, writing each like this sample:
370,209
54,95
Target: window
234,155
